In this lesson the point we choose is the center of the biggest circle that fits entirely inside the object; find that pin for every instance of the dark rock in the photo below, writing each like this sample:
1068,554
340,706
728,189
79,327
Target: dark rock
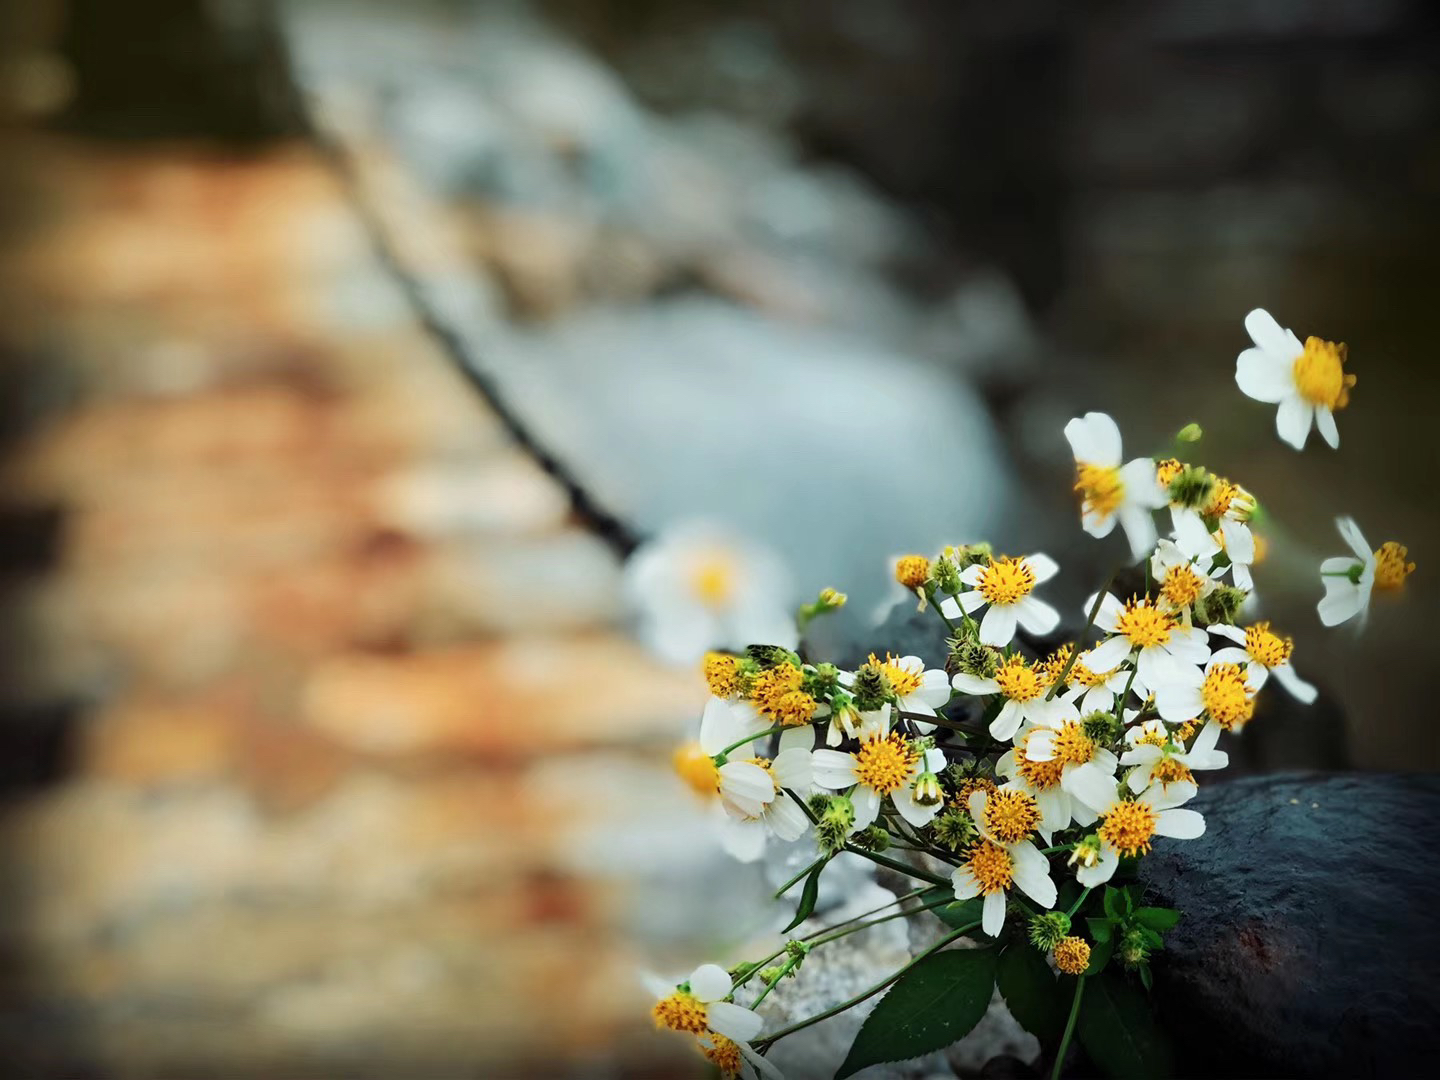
1308,947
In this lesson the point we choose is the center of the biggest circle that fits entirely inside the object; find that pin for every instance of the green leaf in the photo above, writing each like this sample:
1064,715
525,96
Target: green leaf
932,1005
1100,929
962,912
808,896
1114,903
1119,1033
1159,919
1031,992
1150,937
1145,977
1100,955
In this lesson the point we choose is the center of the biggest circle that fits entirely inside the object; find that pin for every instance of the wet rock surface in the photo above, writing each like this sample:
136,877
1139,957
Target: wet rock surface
1308,946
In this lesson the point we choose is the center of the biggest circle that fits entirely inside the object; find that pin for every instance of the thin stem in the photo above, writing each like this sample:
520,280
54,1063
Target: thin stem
864,995
1076,906
789,966
943,721
866,914
1075,652
1057,847
829,937
791,883
1069,1029
1124,697
751,738
894,864
932,597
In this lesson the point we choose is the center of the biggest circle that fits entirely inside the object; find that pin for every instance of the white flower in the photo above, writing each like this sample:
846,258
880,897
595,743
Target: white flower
1348,581
724,723
697,1006
917,689
1224,692
1111,491
1058,808
1004,858
1006,585
1024,687
1163,647
887,764
1180,578
1156,759
755,794
1128,825
1267,653
848,722
1307,381
1087,771
697,587
1091,691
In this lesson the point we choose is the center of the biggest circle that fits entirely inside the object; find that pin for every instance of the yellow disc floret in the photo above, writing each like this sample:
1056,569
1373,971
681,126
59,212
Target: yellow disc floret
1018,681
794,708
1169,771
771,686
991,867
723,1053
1041,775
697,769
1100,488
884,765
971,784
1011,815
1181,586
681,1012
1320,374
1128,827
912,571
1391,567
1144,624
1071,745
1227,696
1266,648
1166,471
1072,955
712,579
902,681
722,675
1006,580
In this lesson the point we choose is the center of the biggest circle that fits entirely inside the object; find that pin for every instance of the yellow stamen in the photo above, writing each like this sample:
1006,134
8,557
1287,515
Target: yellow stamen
1049,669
1072,955
902,681
723,1054
712,579
1391,567
1266,648
681,1012
1011,815
1071,745
771,686
1320,374
1169,771
1223,494
1100,488
1006,580
1018,681
1145,624
722,675
1227,696
1181,586
992,867
972,783
1041,775
697,769
794,709
1128,827
1166,471
884,765
912,571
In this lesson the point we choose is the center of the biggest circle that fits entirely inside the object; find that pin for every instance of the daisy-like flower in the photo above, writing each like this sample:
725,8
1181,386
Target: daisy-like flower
1087,770
1349,581
1006,585
1267,653
1307,381
1004,858
1091,691
1163,648
735,1059
1042,779
1128,825
755,794
1180,579
1156,758
915,688
698,587
698,1006
886,764
1224,694
1231,506
848,722
1024,687
1111,491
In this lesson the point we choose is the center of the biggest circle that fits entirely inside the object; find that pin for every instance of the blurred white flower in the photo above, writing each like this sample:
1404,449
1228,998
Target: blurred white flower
1307,381
1111,491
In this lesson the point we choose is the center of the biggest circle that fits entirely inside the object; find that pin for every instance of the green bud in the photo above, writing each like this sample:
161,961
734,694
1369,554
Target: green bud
1193,487
1049,929
1133,950
1220,606
968,555
1086,852
954,829
1102,727
821,681
769,656
972,658
1190,433
797,950
771,974
927,790
873,838
836,815
946,575
871,688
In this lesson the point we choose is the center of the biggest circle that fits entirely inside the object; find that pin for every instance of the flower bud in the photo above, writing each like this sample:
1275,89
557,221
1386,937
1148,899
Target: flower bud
1220,606
872,838
1049,929
1193,487
1190,433
1101,727
1087,852
927,790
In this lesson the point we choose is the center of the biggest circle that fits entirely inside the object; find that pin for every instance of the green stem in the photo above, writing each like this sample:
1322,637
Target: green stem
837,934
866,914
751,738
1069,1029
791,883
1124,697
1076,906
1075,652
864,995
894,864
1057,847
789,966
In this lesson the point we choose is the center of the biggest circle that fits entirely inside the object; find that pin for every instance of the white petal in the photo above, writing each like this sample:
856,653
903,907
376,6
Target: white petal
1036,616
1142,487
963,882
1090,785
973,684
725,723
1101,872
1264,376
833,769
1234,633
1352,535
761,1065
792,768
1325,424
1036,884
992,915
1139,528
1342,601
1040,746
1292,421
743,840
1299,689
1268,334
733,1022
910,810
950,608
1005,722
1230,656
867,808
1042,566
710,982
1110,653
973,574
1190,532
998,626
1177,702
797,738
1054,809
1239,541
1095,439
1180,824
786,819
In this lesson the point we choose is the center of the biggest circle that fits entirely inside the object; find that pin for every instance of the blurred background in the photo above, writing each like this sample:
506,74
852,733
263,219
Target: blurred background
323,743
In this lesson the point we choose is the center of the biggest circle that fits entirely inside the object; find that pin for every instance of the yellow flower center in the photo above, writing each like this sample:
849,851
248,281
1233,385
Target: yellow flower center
1049,669
1185,730
1181,586
722,675
1011,815
971,784
1265,648
992,867
697,769
1072,955
1227,696
1018,681
1223,494
1041,775
1082,676
1169,771
1320,374
723,1054
1166,471
1100,488
884,765
903,682
1128,827
1391,568
712,579
1152,738
1072,745
1144,624
771,687
794,708
681,1012
1006,580
912,571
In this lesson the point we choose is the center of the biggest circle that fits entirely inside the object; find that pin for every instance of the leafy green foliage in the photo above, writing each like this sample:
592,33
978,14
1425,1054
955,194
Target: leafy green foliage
808,895
1032,992
1118,1031
936,1002
961,913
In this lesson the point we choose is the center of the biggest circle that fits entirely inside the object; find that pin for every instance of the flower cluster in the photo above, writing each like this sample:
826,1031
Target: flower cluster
1023,784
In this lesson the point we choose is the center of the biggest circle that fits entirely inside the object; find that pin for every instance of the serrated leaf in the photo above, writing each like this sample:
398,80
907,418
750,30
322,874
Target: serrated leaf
962,912
808,895
1114,903
936,1002
1119,1033
1031,992
1100,929
1150,937
1100,955
1159,919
